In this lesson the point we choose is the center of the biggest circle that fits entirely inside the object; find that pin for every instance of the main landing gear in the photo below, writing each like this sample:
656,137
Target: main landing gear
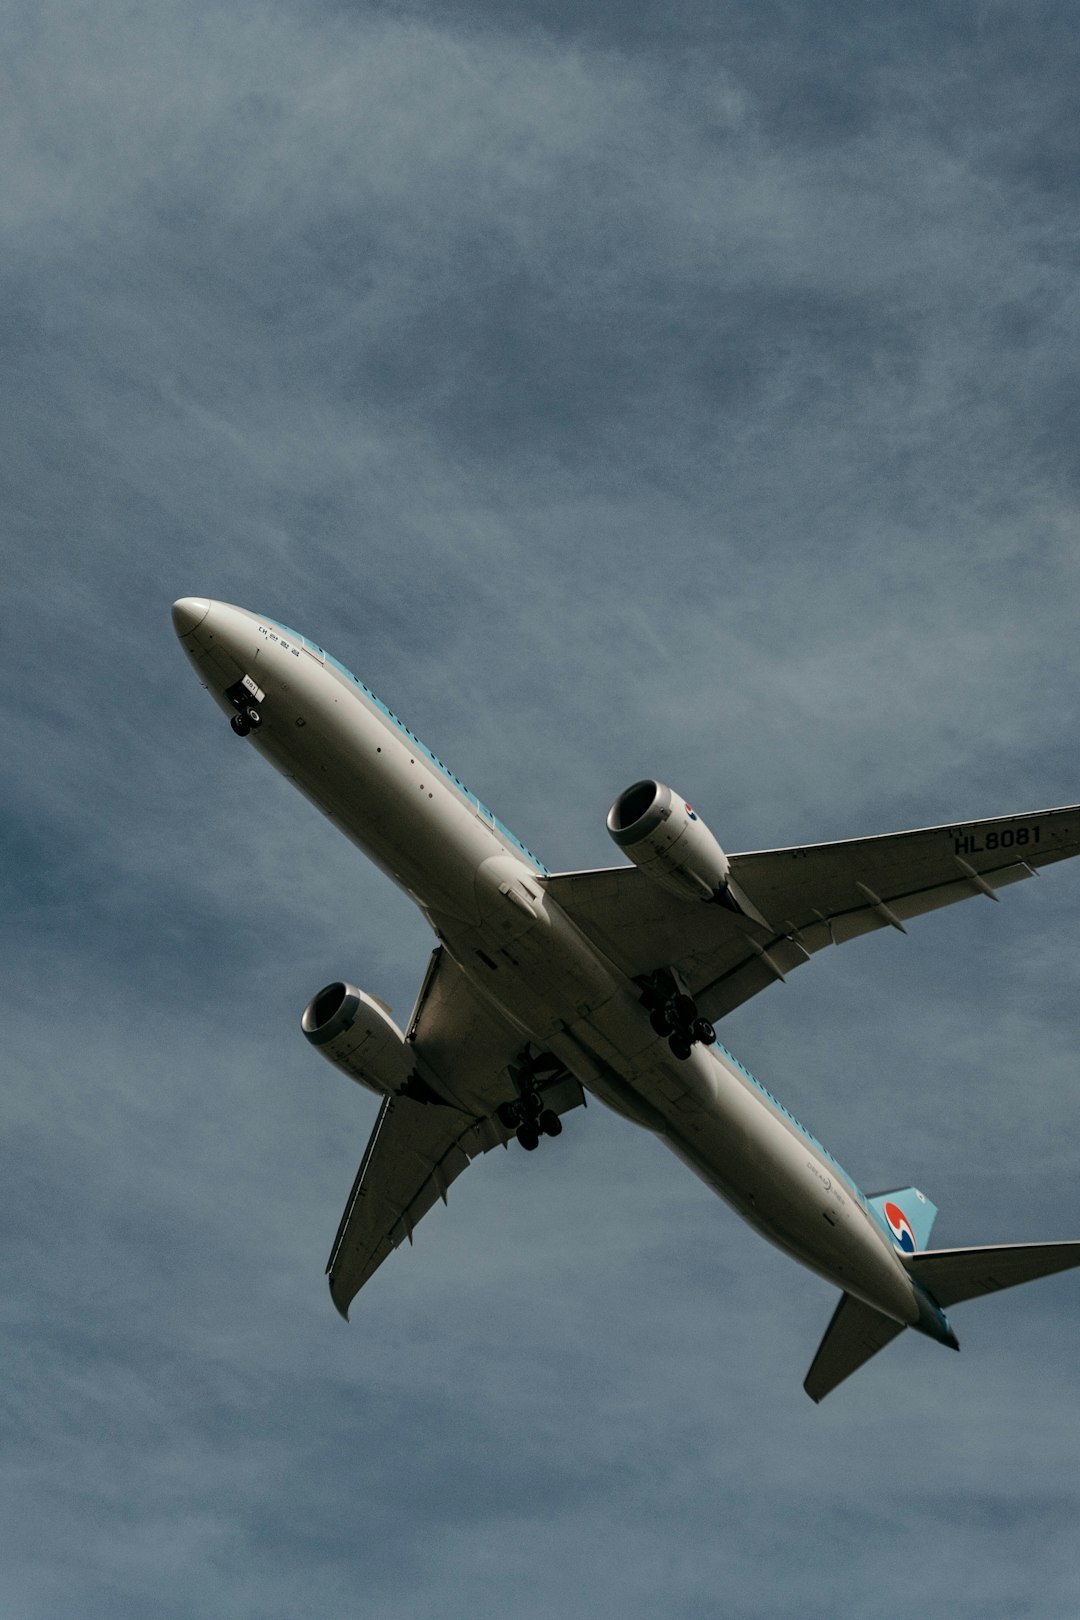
674,1014
527,1117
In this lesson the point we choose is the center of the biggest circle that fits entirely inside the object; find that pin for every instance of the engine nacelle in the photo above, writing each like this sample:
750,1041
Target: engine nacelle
358,1036
659,832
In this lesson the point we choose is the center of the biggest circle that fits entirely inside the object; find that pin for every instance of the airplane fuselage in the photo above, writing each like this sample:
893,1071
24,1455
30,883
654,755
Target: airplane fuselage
484,895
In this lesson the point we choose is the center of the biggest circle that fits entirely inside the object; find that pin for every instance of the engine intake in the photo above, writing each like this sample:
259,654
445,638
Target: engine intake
356,1033
660,832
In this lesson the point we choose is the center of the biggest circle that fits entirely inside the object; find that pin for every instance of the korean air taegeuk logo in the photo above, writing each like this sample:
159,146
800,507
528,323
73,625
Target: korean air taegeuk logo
900,1228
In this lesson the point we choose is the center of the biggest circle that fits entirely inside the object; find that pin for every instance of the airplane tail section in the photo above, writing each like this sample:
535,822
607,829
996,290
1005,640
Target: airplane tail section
855,1333
945,1277
953,1275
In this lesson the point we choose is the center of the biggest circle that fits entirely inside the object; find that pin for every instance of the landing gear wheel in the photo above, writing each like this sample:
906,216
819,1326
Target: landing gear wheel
680,1046
531,1105
550,1123
660,1019
528,1136
240,724
704,1032
254,718
509,1115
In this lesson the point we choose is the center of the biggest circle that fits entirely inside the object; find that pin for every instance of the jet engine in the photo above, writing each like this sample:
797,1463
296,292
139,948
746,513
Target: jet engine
356,1033
659,832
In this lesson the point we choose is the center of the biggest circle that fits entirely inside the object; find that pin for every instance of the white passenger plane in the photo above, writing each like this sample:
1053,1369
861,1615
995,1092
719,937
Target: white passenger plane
542,986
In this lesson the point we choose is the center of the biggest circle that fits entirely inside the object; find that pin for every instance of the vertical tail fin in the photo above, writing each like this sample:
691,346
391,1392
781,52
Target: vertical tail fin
907,1214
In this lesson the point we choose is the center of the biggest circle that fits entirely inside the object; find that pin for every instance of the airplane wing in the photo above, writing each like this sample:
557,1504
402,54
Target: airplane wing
796,901
418,1148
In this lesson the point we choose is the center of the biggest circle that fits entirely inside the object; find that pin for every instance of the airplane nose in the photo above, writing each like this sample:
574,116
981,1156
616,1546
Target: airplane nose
189,613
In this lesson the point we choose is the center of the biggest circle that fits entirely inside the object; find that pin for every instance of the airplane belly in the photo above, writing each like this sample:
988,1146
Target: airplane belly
387,798
761,1165
770,1177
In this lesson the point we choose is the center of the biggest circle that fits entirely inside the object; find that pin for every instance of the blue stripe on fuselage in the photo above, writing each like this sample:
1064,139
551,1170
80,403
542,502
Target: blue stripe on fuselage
470,797
856,1192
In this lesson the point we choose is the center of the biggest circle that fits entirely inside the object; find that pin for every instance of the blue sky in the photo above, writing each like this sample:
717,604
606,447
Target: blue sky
619,394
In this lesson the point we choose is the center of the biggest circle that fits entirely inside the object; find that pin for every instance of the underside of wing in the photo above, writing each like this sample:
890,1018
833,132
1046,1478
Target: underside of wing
418,1148
801,899
855,1333
415,1152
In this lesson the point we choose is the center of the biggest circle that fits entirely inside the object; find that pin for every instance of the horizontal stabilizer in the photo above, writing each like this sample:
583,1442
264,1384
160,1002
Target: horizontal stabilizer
953,1275
855,1333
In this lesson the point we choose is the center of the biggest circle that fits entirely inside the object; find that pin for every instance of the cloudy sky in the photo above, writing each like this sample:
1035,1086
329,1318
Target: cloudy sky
622,390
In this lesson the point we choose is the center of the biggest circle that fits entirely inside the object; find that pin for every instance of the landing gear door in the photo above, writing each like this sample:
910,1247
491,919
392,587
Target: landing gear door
245,692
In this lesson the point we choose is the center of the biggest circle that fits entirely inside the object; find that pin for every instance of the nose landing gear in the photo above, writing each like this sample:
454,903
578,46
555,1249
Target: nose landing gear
245,696
674,1014
246,721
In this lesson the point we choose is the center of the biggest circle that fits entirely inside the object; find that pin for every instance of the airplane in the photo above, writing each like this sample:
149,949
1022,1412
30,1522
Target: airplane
544,987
